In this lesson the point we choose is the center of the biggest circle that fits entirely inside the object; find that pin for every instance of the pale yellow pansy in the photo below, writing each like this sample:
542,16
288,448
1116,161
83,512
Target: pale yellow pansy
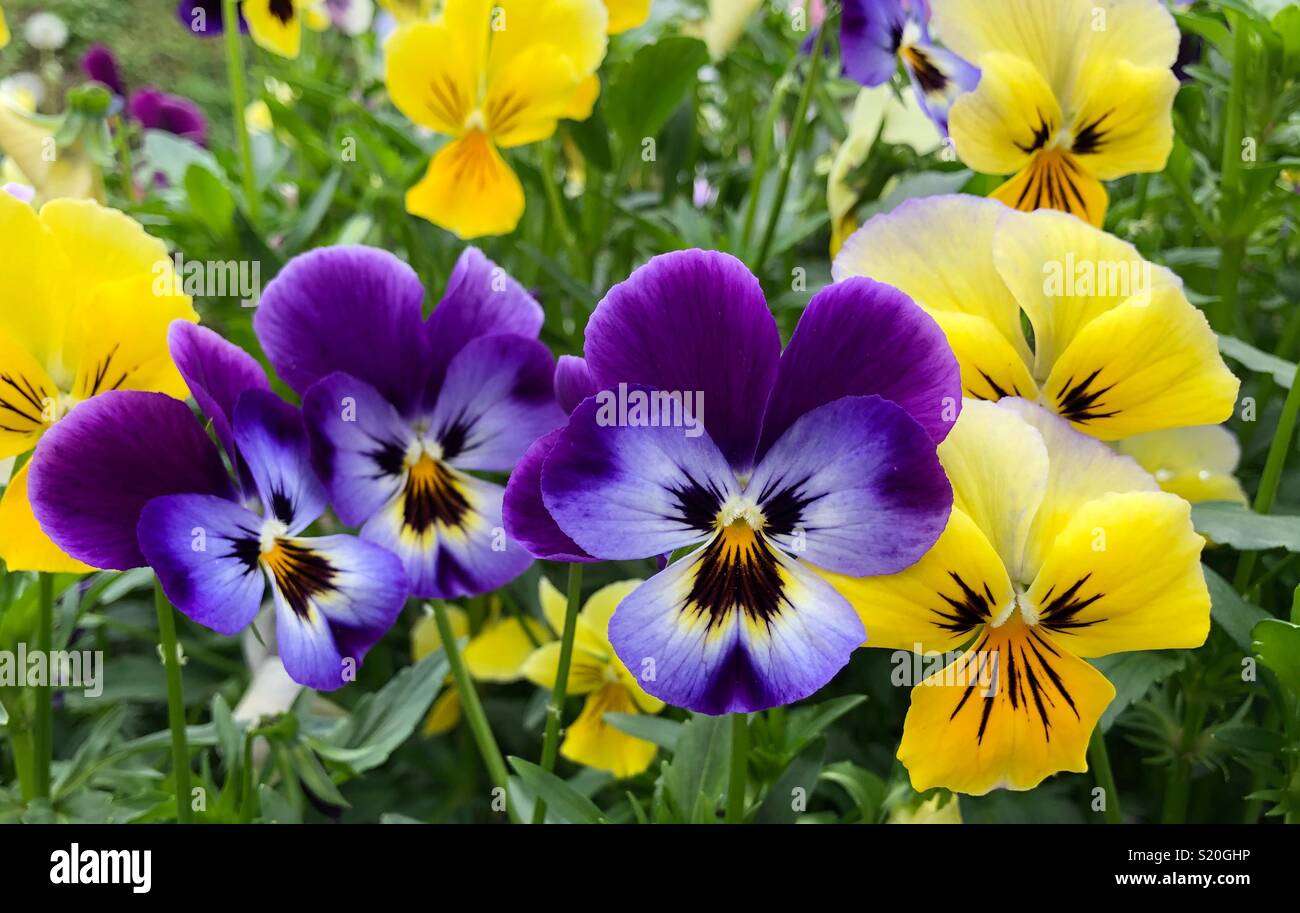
1193,463
26,140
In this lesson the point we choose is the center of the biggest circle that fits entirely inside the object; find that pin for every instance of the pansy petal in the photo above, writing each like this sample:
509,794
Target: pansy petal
205,552
1013,710
95,470
586,671
939,77
1011,115
1047,34
991,368
869,32
593,620
352,309
29,398
688,642
854,486
1194,463
481,300
275,25
359,445
216,372
626,14
526,517
431,73
632,491
574,29
273,442
1125,574
1123,123
469,190
573,381
592,741
498,397
859,337
24,546
498,652
1056,180
692,322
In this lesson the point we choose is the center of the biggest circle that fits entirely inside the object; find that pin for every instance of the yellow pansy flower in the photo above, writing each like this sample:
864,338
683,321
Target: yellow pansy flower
1193,463
1071,93
276,25
1117,347
91,296
598,673
491,74
409,10
1058,550
626,14
25,140
934,810
722,27
496,654
4,29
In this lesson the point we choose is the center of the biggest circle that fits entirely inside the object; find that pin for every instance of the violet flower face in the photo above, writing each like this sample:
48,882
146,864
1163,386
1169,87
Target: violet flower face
205,18
402,410
129,479
876,35
823,455
100,65
158,110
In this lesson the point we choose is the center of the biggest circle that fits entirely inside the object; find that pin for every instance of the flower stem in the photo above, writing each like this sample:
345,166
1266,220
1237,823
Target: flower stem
43,731
551,741
739,768
473,707
1272,477
238,102
24,759
1233,247
123,142
1100,760
556,202
175,702
1180,775
797,131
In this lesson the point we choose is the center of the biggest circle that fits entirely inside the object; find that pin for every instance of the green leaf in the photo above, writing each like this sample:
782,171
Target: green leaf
314,776
644,91
562,800
312,215
275,808
788,796
663,733
865,788
1283,372
697,775
1277,644
806,723
1133,674
1232,524
1232,613
171,156
210,199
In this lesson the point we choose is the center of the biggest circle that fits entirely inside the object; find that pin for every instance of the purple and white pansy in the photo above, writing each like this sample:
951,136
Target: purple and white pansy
401,410
130,479
821,456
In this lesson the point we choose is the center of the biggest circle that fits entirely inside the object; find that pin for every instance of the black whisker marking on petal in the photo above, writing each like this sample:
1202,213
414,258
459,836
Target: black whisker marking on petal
1092,137
431,496
1056,680
697,505
1059,614
300,573
969,611
1078,402
282,10
738,570
783,509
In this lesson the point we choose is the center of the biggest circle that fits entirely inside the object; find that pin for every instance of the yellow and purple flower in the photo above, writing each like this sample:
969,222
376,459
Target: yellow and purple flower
402,409
130,479
823,455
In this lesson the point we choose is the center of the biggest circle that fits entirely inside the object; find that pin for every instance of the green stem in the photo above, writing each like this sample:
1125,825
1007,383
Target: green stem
739,768
556,202
1233,247
122,137
43,730
239,102
472,707
1272,477
551,741
175,699
1180,775
763,158
24,759
1100,760
797,131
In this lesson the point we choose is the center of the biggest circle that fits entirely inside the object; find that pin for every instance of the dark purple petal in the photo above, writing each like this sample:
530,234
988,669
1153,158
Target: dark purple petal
154,109
946,76
96,469
217,372
854,486
481,300
204,551
203,18
860,337
870,31
351,309
100,65
498,397
573,382
273,442
526,518
693,322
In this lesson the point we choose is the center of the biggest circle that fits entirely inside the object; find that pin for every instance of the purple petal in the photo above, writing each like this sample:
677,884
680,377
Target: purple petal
158,110
273,442
526,518
694,322
216,372
481,300
97,468
854,486
351,309
624,491
719,657
100,65
860,337
498,397
946,76
359,445
203,18
573,381
204,551
870,31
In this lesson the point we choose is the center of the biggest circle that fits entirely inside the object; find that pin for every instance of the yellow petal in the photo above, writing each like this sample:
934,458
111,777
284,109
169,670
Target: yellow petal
932,811
497,653
593,742
1150,363
276,25
724,25
1123,121
1011,114
432,75
593,620
1194,463
1064,273
572,29
469,190
1009,713
23,544
937,603
444,715
583,100
916,249
29,399
991,368
424,633
1056,180
4,30
1125,574
554,604
1140,32
587,672
530,94
405,11
27,140
626,14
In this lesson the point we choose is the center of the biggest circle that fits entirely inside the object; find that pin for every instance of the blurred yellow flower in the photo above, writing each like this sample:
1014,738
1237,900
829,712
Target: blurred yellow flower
724,24
934,810
405,11
26,141
276,25
626,14
491,74
1196,463
4,29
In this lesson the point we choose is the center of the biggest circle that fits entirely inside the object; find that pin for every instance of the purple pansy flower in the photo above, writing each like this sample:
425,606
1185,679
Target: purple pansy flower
159,110
204,18
100,65
822,455
130,479
875,35
402,409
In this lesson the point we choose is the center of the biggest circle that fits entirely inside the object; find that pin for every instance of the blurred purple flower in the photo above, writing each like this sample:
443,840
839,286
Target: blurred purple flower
100,65
203,18
159,110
